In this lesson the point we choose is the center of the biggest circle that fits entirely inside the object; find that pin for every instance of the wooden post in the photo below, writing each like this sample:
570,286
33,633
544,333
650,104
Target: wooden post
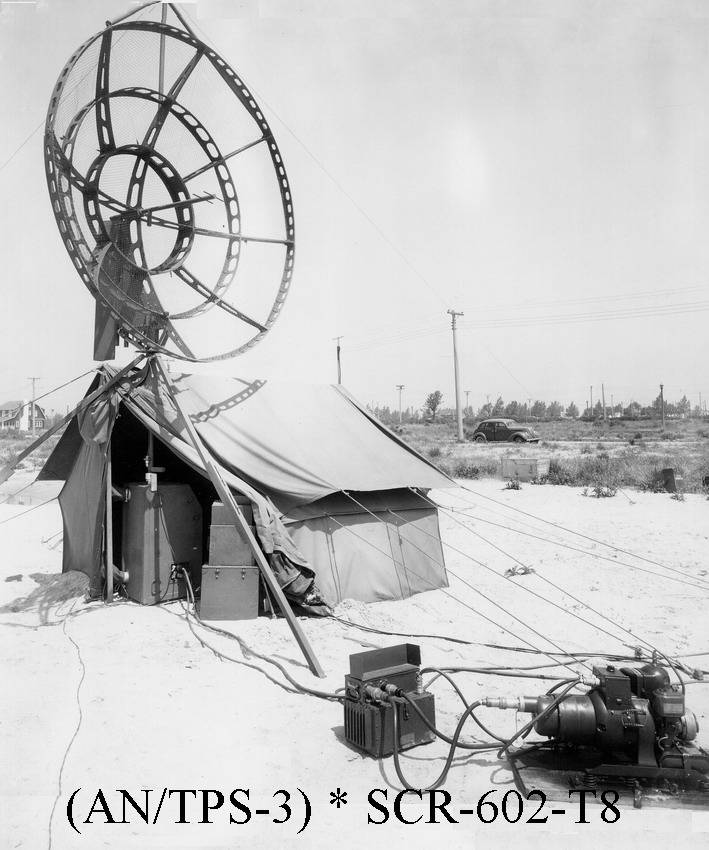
109,526
242,526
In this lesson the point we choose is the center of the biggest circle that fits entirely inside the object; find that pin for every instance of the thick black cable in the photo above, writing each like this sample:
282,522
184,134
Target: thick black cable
611,656
451,681
571,684
509,674
396,702
247,651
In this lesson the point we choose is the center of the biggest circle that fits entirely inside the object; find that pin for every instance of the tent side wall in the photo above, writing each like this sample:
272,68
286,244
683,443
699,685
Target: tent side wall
373,558
82,501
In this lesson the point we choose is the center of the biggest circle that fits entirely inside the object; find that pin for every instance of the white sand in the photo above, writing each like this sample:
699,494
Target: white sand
159,710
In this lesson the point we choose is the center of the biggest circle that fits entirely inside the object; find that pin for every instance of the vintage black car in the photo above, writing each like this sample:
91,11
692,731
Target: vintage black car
504,430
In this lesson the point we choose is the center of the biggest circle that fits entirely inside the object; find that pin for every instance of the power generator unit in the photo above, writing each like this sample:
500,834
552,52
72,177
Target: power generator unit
635,719
369,720
631,729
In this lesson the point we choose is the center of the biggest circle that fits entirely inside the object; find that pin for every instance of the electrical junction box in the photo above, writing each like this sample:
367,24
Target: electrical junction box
369,725
161,529
524,468
229,593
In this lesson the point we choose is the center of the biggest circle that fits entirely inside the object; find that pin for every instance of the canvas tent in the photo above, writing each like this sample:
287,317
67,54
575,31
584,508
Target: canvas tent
295,451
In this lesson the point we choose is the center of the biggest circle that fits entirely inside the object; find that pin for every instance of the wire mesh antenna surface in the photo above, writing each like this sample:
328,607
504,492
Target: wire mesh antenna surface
169,190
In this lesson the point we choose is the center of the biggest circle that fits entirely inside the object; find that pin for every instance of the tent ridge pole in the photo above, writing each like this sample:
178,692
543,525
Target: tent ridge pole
241,525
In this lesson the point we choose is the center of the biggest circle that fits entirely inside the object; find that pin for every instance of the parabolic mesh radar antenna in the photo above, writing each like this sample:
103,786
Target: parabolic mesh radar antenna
169,191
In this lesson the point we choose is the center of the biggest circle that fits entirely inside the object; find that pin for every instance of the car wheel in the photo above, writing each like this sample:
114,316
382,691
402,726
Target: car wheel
518,439
480,439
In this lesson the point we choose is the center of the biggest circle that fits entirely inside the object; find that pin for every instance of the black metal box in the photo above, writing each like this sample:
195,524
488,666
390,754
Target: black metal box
160,529
229,592
369,725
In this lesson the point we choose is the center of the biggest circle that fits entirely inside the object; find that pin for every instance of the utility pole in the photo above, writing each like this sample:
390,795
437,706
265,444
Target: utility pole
32,416
612,407
662,404
467,403
459,412
339,364
591,401
400,387
603,397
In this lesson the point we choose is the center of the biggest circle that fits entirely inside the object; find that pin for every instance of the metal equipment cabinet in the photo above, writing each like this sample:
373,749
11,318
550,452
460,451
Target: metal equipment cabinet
230,581
160,529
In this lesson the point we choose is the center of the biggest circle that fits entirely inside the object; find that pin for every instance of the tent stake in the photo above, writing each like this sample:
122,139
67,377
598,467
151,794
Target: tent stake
243,527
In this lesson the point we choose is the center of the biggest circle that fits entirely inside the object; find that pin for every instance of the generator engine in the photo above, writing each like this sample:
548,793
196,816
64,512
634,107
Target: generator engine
634,717
374,677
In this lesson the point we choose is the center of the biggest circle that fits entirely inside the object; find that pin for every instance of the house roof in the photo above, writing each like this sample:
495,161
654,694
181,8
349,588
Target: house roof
10,409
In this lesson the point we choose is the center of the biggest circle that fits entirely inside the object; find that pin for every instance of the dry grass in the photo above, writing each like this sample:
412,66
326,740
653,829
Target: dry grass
12,444
624,454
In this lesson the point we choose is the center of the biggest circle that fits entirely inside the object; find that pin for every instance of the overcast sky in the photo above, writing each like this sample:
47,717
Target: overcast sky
541,166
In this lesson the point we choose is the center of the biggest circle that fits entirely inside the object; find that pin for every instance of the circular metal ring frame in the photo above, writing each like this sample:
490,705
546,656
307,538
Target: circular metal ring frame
63,176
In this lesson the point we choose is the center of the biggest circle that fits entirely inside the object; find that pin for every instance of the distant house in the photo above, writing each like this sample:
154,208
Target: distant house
18,415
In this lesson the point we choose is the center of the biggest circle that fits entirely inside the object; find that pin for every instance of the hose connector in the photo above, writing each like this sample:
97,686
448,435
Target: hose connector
527,704
384,693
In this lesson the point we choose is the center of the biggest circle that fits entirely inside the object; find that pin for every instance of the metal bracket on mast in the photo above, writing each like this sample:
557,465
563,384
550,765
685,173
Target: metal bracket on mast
241,525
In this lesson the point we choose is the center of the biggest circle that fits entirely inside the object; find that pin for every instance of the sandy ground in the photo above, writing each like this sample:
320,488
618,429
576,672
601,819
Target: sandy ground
141,705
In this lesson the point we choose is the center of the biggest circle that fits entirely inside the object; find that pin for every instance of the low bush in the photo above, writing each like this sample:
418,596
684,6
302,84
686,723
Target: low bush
465,469
559,473
600,491
435,451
